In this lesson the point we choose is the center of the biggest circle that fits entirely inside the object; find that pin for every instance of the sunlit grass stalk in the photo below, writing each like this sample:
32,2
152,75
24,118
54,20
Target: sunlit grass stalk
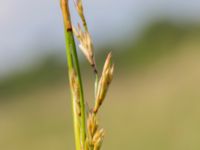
89,138
73,64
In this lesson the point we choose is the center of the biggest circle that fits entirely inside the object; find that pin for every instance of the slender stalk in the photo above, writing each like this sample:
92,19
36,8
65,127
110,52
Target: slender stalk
82,102
70,67
73,63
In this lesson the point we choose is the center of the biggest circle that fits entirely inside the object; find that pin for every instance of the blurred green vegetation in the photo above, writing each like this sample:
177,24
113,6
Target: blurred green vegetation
48,72
160,38
153,103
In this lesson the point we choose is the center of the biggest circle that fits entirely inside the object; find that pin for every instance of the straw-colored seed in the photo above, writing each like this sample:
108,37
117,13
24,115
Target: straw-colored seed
104,82
98,139
86,44
92,124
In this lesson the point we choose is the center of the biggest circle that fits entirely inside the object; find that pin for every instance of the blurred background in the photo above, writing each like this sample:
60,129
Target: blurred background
154,101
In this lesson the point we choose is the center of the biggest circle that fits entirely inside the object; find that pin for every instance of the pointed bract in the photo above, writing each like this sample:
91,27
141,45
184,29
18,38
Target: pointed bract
86,45
92,124
104,82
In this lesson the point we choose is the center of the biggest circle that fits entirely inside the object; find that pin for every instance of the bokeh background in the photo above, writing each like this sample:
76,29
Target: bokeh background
154,101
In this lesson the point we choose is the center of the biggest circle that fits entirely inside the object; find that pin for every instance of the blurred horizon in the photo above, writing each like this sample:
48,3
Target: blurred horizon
35,34
53,64
59,53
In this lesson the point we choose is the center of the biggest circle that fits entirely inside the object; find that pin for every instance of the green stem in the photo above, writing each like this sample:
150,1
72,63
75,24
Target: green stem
82,102
73,63
70,67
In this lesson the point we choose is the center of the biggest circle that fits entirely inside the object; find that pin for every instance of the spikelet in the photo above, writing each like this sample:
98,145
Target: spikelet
79,9
92,124
98,139
86,45
104,82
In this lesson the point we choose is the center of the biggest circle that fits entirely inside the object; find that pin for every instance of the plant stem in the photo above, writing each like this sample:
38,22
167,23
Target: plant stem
73,63
70,67
82,102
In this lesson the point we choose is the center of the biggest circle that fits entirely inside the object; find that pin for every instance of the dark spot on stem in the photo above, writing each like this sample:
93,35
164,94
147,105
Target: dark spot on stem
69,29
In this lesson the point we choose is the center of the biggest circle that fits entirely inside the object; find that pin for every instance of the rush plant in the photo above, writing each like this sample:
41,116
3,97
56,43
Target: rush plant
88,134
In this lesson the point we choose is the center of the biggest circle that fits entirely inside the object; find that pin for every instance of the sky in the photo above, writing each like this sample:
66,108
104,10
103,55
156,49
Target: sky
31,28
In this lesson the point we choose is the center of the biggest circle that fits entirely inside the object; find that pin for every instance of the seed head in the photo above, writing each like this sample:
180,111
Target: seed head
92,124
104,82
79,7
98,139
86,44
